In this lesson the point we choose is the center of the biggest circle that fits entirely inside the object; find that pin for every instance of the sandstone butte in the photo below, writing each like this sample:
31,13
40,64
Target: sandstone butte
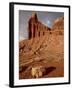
44,47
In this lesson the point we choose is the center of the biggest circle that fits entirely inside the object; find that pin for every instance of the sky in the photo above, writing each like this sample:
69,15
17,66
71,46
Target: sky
46,18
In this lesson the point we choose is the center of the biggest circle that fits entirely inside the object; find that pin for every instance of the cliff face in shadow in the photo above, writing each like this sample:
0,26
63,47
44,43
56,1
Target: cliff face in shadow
45,48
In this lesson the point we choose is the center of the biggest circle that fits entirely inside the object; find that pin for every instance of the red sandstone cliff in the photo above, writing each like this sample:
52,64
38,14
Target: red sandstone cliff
58,24
36,28
45,47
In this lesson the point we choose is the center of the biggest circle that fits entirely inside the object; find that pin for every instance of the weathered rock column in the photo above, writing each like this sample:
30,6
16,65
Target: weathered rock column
36,33
35,30
32,28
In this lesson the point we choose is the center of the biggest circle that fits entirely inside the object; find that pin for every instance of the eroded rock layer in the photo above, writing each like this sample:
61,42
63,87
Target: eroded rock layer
44,48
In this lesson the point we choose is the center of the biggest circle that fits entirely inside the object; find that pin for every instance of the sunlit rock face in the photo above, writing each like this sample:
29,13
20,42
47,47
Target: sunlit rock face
58,25
37,71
